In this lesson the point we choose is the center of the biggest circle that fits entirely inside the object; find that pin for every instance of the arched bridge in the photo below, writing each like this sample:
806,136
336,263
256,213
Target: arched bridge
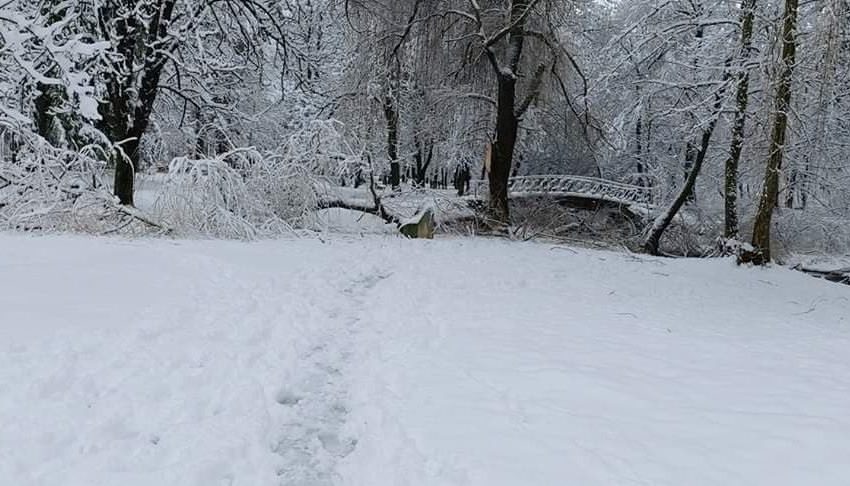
572,186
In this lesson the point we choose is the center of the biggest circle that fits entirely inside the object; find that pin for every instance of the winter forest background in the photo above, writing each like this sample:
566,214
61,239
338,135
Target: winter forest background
252,118
208,271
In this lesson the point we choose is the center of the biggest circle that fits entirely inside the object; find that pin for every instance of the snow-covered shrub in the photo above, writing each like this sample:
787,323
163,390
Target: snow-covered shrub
43,187
288,187
239,194
323,148
152,150
812,231
544,218
209,197
693,232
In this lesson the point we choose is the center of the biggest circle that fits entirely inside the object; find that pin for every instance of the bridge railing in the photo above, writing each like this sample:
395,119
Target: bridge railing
578,186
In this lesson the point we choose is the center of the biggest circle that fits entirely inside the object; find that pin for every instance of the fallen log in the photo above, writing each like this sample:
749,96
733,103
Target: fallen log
840,275
363,208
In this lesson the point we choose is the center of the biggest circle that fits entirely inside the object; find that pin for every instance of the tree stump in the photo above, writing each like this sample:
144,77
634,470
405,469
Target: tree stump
419,226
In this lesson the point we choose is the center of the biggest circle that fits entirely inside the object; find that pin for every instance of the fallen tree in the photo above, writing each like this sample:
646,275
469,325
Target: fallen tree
840,275
421,225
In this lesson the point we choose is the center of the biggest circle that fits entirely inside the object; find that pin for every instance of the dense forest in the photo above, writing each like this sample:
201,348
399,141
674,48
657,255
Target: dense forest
733,116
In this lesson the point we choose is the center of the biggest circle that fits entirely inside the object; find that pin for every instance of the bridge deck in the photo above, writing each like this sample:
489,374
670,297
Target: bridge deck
572,186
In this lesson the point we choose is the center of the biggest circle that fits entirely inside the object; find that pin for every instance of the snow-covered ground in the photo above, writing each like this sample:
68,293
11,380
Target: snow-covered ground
389,362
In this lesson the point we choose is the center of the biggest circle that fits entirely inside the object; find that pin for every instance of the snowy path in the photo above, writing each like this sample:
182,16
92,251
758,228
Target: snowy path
212,365
384,362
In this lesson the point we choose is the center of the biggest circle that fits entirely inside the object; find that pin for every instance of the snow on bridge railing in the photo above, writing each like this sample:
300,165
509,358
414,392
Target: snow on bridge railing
569,185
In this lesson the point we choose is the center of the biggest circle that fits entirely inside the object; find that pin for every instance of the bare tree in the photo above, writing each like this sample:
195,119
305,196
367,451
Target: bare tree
742,97
770,189
148,37
503,46
662,222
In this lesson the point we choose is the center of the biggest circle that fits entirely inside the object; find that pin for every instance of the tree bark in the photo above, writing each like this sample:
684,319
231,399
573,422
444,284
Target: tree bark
691,154
391,116
691,147
131,90
45,118
423,161
731,229
770,190
507,118
507,127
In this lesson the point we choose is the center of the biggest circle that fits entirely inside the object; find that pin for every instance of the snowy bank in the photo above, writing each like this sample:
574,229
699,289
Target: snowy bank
384,361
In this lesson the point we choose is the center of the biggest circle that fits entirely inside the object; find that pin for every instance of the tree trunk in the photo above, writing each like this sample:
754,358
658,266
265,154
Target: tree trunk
45,117
125,170
115,124
691,154
507,118
391,116
742,95
639,168
691,148
770,190
423,161
132,84
507,126
653,240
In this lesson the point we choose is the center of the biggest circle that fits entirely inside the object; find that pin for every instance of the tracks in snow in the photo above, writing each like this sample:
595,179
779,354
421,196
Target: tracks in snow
316,405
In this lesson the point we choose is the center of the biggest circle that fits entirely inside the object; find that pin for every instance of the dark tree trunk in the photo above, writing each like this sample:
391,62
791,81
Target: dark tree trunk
125,165
114,124
507,126
508,114
423,162
391,116
742,95
45,117
639,168
770,190
131,90
691,154
692,147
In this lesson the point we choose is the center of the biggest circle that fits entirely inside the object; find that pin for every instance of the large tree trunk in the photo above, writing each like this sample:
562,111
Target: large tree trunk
115,124
507,126
770,190
507,117
132,83
741,100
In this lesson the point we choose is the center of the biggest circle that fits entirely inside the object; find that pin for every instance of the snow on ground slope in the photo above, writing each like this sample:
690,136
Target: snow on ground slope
171,363
382,361
529,365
